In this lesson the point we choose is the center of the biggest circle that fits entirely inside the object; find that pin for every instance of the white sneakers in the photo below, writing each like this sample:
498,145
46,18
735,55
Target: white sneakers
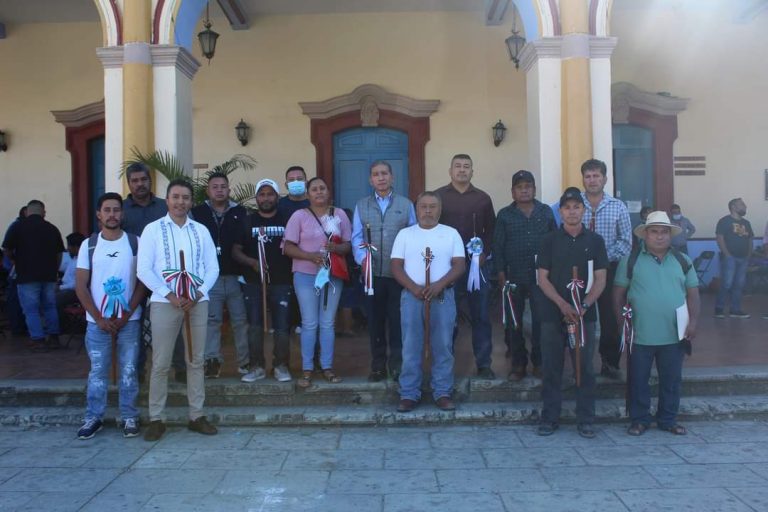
280,373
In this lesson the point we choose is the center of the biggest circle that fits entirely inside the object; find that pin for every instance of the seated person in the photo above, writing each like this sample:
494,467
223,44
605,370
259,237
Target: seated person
65,295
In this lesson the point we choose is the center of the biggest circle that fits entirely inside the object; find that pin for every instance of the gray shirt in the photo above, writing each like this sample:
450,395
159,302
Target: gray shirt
136,217
688,230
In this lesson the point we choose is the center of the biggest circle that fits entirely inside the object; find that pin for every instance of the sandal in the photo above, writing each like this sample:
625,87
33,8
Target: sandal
305,380
330,376
675,429
637,429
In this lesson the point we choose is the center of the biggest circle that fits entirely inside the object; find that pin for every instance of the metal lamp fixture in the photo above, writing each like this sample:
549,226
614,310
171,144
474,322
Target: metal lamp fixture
515,42
243,131
498,133
208,38
3,144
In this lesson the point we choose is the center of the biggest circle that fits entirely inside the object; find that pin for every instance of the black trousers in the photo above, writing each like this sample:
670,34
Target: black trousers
384,315
609,327
514,337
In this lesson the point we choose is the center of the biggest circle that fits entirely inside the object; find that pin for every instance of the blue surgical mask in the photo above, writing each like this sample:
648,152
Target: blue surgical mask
322,278
677,216
297,188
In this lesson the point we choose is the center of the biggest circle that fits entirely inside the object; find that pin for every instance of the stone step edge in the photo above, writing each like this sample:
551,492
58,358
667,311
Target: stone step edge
609,410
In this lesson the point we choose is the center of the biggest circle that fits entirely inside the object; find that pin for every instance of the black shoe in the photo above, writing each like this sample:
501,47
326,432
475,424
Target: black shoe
89,429
485,374
180,376
377,376
546,429
53,342
739,314
444,403
719,313
406,405
201,426
154,431
610,371
212,368
586,430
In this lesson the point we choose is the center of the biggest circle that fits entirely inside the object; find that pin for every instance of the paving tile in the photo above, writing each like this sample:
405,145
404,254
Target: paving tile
118,457
296,440
7,473
564,501
46,457
335,459
155,481
618,434
60,480
236,459
443,502
163,459
484,437
490,480
40,437
394,438
598,478
382,482
127,502
760,468
281,483
730,431
226,439
693,500
755,497
323,503
566,435
628,455
263,503
453,458
55,502
544,456
710,475
722,453
15,500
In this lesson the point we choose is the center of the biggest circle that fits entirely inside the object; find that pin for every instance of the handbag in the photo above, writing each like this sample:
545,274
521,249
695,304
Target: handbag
338,263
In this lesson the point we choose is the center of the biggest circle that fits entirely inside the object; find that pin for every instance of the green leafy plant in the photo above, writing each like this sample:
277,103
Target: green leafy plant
171,168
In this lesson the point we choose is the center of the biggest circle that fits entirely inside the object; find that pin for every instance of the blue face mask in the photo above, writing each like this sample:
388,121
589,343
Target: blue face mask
297,188
322,278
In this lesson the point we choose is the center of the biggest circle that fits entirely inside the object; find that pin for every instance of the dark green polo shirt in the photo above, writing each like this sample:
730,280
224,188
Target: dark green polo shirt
657,289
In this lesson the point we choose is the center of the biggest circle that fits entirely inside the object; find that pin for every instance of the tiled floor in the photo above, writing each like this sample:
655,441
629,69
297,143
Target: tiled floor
721,342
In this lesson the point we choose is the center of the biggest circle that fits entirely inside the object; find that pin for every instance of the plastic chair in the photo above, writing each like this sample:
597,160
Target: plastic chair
702,263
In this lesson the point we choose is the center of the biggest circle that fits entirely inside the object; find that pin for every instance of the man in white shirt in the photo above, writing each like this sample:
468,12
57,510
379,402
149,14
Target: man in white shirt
159,268
409,270
107,288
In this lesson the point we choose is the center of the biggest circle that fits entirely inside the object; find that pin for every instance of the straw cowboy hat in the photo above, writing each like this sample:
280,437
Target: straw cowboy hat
657,219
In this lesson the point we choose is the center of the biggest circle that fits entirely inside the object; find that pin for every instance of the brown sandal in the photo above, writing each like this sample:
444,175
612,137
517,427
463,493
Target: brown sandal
305,380
675,429
331,377
637,429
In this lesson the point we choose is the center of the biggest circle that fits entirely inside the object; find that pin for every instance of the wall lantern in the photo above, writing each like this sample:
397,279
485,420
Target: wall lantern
243,131
3,143
515,42
207,38
498,133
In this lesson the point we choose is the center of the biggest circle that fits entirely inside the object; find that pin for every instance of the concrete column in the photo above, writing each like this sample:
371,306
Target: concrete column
112,60
601,49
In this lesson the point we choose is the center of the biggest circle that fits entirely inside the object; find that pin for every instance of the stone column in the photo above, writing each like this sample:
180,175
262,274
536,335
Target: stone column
112,59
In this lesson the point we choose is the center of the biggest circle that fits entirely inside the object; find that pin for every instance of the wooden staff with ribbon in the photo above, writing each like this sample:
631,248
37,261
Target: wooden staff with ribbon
428,257
114,351
368,261
263,274
186,284
627,339
576,333
507,302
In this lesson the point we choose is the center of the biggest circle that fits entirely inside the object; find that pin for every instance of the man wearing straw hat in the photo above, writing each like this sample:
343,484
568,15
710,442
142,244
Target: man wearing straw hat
660,288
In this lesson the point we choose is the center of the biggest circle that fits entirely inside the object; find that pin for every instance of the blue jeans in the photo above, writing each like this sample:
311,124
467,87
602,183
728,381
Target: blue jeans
13,308
441,321
33,298
669,365
279,300
316,318
227,290
99,346
733,274
479,316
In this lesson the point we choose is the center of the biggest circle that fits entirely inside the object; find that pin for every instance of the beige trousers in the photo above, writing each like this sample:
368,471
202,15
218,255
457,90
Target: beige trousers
166,322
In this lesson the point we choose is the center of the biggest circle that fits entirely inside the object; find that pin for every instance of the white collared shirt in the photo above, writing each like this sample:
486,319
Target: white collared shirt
159,248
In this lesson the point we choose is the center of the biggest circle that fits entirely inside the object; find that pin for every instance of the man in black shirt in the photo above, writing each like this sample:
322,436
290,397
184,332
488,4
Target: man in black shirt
570,246
225,221
266,226
734,238
517,237
34,246
296,198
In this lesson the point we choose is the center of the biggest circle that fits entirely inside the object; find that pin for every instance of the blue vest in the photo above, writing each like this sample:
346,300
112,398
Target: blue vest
384,227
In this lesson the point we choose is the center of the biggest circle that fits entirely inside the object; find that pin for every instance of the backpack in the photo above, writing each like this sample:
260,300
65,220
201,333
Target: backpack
684,264
94,239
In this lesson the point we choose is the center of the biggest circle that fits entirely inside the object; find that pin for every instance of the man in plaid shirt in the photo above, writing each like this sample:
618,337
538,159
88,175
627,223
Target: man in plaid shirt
609,218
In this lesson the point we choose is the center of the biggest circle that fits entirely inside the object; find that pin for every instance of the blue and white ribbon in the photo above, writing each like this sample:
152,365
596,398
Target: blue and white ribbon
475,249
113,304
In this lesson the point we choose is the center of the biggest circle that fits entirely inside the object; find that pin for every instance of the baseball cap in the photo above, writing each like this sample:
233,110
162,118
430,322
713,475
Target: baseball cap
522,175
571,193
269,183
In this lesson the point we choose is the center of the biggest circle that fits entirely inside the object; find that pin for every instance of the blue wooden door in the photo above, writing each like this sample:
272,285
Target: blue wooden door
633,168
355,150
95,177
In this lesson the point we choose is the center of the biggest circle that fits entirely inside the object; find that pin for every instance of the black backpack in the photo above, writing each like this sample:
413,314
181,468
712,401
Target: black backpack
684,264
94,239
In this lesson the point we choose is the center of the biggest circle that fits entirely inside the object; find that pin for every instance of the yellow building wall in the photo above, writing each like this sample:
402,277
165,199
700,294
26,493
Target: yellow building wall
45,67
702,54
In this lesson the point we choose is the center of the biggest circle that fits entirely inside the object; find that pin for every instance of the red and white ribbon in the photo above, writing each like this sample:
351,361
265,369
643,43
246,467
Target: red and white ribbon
628,330
368,266
262,239
574,286
506,301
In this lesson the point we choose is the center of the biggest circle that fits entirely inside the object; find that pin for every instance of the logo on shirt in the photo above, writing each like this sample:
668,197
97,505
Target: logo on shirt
270,231
740,230
114,254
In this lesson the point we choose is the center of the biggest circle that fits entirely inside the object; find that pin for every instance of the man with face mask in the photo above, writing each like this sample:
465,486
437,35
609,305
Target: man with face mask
734,238
296,199
680,241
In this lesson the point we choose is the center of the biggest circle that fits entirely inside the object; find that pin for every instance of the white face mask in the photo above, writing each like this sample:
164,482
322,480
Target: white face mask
677,216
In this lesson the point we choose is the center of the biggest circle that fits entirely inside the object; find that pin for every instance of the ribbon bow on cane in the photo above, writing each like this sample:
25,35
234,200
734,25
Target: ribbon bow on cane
506,300
574,286
113,305
475,249
628,330
186,282
261,239
368,266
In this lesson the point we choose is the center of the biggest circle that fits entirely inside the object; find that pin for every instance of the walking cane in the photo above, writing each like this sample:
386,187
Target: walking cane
114,351
264,274
428,257
184,286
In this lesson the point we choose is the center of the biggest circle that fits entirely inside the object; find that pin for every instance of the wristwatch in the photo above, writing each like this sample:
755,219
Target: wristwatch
584,305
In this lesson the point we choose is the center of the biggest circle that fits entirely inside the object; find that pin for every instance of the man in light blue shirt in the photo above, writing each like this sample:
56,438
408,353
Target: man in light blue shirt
376,221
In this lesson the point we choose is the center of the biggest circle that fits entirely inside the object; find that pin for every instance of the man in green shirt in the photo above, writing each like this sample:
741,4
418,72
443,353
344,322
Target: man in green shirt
656,280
